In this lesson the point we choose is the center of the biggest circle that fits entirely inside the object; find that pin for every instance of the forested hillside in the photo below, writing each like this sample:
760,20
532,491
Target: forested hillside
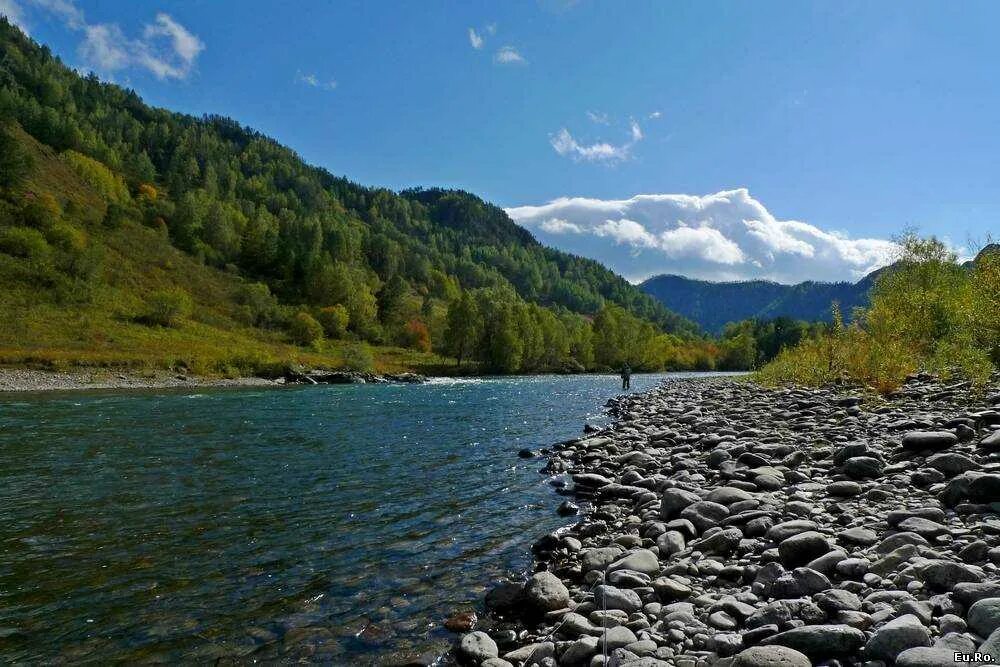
300,257
713,305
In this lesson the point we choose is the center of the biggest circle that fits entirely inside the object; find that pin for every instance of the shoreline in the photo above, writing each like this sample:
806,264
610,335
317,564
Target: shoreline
724,523
30,381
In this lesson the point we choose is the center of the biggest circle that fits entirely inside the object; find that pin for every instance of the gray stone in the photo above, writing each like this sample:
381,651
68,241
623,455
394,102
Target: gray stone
801,548
984,616
895,637
951,463
610,597
820,642
477,646
770,656
579,652
674,500
920,440
704,514
641,560
546,592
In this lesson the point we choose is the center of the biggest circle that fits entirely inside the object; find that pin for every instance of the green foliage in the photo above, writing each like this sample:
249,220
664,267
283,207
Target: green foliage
304,329
15,163
24,242
928,312
358,357
167,307
108,184
41,211
334,320
416,336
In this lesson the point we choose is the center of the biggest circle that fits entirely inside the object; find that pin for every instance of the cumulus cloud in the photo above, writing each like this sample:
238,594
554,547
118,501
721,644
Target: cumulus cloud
475,39
314,81
508,55
724,236
165,48
655,115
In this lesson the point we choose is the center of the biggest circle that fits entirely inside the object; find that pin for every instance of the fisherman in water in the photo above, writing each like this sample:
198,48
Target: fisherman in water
626,377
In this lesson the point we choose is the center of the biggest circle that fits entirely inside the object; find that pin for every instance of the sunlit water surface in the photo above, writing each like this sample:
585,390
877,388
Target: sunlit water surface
338,523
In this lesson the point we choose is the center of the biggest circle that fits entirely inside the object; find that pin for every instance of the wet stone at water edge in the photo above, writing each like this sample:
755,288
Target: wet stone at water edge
735,525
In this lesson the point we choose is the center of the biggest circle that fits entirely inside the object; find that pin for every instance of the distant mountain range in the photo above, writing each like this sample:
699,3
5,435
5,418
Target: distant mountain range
712,305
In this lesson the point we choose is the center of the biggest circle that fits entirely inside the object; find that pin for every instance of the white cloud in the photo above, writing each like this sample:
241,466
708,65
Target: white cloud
567,145
475,39
636,131
724,236
314,81
599,117
491,28
557,226
14,14
166,48
655,115
508,55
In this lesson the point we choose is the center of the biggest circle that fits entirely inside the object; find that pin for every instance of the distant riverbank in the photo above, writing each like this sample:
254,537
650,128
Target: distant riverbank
13,380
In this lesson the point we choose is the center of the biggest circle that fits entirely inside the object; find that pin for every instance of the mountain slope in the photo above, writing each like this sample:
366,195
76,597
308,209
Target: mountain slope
320,256
713,305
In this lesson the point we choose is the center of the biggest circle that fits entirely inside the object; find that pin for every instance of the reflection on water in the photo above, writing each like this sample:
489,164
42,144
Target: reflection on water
338,523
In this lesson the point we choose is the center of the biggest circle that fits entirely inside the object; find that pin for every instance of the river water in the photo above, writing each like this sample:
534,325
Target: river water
334,523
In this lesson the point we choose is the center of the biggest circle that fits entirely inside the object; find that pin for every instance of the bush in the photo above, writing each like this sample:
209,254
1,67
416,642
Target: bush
24,242
334,320
358,357
927,312
41,212
416,336
167,307
15,163
258,306
304,329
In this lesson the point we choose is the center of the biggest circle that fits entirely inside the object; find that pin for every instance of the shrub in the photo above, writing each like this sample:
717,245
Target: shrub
927,312
167,307
334,320
109,184
258,305
24,242
416,336
15,163
41,212
358,357
304,329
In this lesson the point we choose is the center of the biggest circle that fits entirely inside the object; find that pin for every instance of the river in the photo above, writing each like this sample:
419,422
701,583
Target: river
342,523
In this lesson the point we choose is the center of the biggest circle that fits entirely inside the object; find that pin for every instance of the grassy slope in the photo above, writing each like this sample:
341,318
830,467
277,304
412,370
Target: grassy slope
40,328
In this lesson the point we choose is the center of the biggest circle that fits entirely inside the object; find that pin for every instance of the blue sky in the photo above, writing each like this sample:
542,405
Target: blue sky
833,126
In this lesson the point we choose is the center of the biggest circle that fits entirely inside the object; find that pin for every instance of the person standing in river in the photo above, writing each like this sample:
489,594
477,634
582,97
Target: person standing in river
626,377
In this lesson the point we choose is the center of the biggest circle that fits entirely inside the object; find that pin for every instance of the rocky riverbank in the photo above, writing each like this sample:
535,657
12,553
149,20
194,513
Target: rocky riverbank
723,523
29,380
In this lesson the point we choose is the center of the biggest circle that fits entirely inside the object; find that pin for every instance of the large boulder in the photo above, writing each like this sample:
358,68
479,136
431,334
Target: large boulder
820,642
916,441
802,548
545,592
640,560
704,514
674,500
984,616
770,656
895,637
476,647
